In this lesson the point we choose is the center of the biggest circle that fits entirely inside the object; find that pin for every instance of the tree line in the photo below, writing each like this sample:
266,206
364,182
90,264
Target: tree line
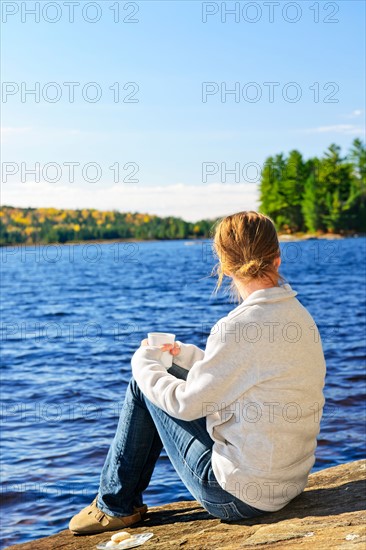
326,194
52,225
317,195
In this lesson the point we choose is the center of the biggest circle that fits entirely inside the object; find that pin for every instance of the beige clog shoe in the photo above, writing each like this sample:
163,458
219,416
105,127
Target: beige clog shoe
91,520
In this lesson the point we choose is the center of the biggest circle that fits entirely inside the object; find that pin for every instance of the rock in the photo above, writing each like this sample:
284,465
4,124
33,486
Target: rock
329,514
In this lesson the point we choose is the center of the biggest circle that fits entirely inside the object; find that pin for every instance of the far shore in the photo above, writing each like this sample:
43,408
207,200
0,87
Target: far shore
282,237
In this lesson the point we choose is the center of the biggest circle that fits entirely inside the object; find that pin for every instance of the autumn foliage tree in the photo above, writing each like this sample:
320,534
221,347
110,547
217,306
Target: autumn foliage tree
51,225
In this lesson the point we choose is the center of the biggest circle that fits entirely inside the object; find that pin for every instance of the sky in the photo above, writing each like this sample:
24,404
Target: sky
172,107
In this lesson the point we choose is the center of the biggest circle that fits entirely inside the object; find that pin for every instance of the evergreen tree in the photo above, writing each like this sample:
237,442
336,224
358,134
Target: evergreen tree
335,181
327,194
357,156
356,204
293,183
310,204
266,187
272,196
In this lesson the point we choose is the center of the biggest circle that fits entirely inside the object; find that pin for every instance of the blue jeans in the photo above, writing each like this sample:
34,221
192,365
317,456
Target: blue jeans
142,431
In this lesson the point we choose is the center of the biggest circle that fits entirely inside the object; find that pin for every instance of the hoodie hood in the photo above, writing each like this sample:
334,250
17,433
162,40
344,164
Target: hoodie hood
269,295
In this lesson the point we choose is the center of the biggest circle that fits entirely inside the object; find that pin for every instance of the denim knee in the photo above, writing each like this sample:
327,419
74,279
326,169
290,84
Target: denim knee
230,512
225,512
134,389
175,370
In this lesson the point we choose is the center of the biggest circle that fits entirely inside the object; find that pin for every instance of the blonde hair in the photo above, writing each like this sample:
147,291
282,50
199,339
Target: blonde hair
246,244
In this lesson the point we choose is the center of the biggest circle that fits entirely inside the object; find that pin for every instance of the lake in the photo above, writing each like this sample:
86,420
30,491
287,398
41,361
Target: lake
73,315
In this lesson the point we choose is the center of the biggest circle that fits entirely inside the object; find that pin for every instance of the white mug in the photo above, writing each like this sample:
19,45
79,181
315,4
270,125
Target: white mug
158,339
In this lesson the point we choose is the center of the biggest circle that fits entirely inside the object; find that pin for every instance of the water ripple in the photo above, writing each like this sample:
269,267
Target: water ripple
69,331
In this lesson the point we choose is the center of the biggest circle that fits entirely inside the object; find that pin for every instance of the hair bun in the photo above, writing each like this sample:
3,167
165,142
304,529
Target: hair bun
250,269
246,244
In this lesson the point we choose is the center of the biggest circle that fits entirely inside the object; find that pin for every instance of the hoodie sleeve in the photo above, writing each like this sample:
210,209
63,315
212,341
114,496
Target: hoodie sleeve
219,377
189,354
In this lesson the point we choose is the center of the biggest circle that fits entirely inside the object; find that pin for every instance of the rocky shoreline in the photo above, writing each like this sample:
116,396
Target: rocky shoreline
329,514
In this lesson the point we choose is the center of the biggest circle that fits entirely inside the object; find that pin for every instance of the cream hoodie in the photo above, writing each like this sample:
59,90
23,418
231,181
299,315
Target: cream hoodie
259,383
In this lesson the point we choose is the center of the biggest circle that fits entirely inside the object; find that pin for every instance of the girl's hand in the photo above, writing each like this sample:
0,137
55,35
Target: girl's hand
174,349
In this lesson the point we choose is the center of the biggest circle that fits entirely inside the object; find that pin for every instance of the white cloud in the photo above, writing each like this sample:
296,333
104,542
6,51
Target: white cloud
349,129
8,131
190,202
355,114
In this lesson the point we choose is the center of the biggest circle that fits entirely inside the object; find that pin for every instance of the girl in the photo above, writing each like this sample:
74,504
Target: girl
239,420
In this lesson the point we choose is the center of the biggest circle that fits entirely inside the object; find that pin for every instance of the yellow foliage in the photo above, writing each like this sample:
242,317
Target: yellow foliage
146,218
18,218
196,228
50,212
76,227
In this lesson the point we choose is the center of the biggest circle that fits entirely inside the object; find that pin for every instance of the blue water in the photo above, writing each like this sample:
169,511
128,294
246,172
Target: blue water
73,315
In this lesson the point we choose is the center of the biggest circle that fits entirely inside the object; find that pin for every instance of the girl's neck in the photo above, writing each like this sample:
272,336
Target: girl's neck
246,289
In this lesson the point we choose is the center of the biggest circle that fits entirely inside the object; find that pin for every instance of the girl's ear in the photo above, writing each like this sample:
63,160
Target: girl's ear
277,262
